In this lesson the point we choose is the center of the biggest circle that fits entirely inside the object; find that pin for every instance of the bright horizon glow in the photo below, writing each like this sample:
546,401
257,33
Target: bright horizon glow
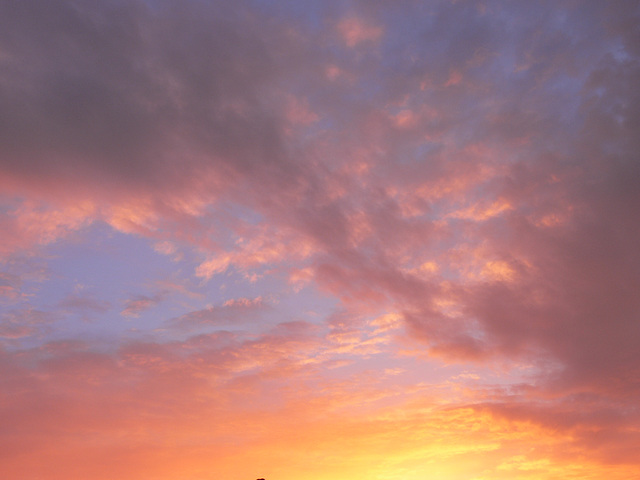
329,240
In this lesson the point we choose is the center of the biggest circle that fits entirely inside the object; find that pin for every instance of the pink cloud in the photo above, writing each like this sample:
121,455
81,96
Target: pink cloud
233,311
355,31
22,323
139,303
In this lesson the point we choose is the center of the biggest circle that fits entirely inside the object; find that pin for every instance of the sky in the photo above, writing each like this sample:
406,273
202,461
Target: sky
320,239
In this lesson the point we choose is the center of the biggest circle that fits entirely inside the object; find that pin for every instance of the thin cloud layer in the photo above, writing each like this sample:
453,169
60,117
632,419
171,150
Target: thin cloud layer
232,231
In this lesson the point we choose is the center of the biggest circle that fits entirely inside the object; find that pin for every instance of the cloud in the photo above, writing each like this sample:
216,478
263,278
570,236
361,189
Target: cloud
23,323
458,181
355,31
139,303
9,285
102,112
85,303
161,395
232,312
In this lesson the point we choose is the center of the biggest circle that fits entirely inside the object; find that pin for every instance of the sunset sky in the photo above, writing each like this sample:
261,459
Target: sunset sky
319,239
